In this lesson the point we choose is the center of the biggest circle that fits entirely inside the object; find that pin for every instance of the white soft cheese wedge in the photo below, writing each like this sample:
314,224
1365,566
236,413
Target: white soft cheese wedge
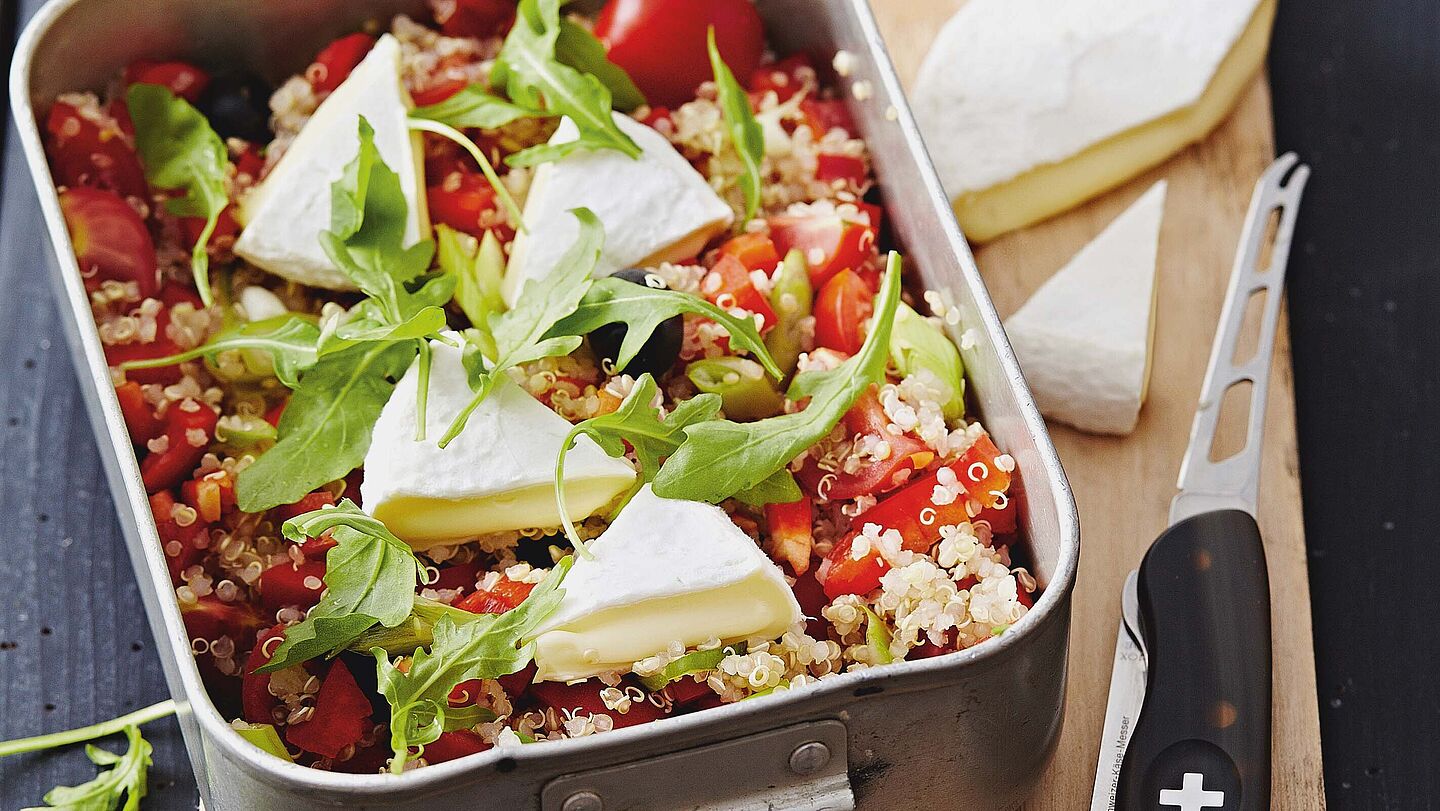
284,215
665,570
655,208
1030,107
1084,338
497,475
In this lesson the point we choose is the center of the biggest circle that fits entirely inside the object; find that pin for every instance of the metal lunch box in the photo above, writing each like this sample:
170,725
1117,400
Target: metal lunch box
972,729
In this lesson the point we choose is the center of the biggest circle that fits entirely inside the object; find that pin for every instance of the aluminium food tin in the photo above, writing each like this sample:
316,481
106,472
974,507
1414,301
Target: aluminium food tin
972,729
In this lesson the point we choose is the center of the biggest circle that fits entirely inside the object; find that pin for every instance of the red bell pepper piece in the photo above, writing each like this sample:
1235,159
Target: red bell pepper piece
728,286
140,419
785,78
584,698
256,701
182,78
503,596
285,584
163,470
843,573
453,745
755,251
791,533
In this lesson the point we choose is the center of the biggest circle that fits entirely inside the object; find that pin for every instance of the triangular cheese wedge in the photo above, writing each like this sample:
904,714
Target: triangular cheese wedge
284,215
497,475
665,570
1084,338
655,208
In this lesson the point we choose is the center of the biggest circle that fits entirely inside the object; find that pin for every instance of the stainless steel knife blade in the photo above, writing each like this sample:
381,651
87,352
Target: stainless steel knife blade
1127,696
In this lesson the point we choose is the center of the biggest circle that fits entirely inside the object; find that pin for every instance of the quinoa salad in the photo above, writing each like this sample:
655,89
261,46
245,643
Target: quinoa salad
511,375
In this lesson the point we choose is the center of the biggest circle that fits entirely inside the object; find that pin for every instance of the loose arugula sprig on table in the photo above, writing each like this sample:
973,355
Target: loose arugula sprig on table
180,151
744,131
720,458
491,646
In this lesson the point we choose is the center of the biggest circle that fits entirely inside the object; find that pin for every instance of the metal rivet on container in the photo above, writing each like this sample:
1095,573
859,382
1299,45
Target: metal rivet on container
808,758
583,801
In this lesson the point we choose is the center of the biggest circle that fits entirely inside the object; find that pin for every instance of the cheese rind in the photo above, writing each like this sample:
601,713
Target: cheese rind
497,475
664,571
1079,101
655,208
284,215
1084,339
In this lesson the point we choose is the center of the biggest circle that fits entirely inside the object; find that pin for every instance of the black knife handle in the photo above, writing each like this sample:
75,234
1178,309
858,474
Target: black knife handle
1203,737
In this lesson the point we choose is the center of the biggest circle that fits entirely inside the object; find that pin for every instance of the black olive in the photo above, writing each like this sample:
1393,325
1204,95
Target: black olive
659,352
238,106
536,551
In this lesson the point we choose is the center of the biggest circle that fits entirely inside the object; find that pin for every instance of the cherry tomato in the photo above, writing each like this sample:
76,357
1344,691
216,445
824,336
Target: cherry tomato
755,251
110,239
86,153
437,91
662,43
140,419
823,115
503,596
843,573
584,698
341,718
830,244
289,584
184,79
848,171
841,308
163,470
333,64
728,286
467,202
475,18
785,78
907,454
790,528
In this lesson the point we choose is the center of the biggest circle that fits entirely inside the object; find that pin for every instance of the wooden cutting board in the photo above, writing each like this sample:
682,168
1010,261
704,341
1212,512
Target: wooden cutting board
1123,485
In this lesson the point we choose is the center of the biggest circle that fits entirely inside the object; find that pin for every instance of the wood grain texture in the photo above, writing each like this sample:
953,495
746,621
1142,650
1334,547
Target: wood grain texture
1123,485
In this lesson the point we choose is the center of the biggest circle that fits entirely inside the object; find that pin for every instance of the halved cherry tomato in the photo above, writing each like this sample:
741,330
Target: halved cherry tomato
755,251
791,531
728,286
110,239
256,700
784,78
584,699
467,202
140,419
823,115
453,745
913,512
662,43
841,308
907,454
333,64
163,470
848,169
503,596
475,18
184,79
843,573
289,584
830,244
86,153
341,719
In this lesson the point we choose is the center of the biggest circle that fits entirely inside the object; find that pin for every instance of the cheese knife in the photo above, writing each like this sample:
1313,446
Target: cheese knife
1187,725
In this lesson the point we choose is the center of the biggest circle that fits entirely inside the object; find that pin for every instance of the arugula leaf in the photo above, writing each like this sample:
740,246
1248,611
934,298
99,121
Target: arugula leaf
643,308
533,76
744,130
779,488
370,579
522,335
478,270
125,778
917,343
720,458
416,631
289,340
474,106
877,636
325,430
696,661
491,646
582,50
180,151
367,324
637,422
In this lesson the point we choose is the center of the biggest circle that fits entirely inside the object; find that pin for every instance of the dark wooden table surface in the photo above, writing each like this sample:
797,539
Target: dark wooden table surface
1357,94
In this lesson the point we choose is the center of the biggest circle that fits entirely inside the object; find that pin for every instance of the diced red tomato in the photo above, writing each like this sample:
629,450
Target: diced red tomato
110,239
467,202
790,529
465,693
728,286
843,573
811,597
516,683
437,91
849,169
929,650
210,618
210,495
584,698
830,244
907,455
662,43
290,584
86,153
475,18
333,64
225,228
1002,521
784,78
183,546
503,596
341,719
457,576
656,116
273,415
318,500
184,79
256,699
453,746
140,419
249,161
165,469
913,513
755,251
823,115
841,308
